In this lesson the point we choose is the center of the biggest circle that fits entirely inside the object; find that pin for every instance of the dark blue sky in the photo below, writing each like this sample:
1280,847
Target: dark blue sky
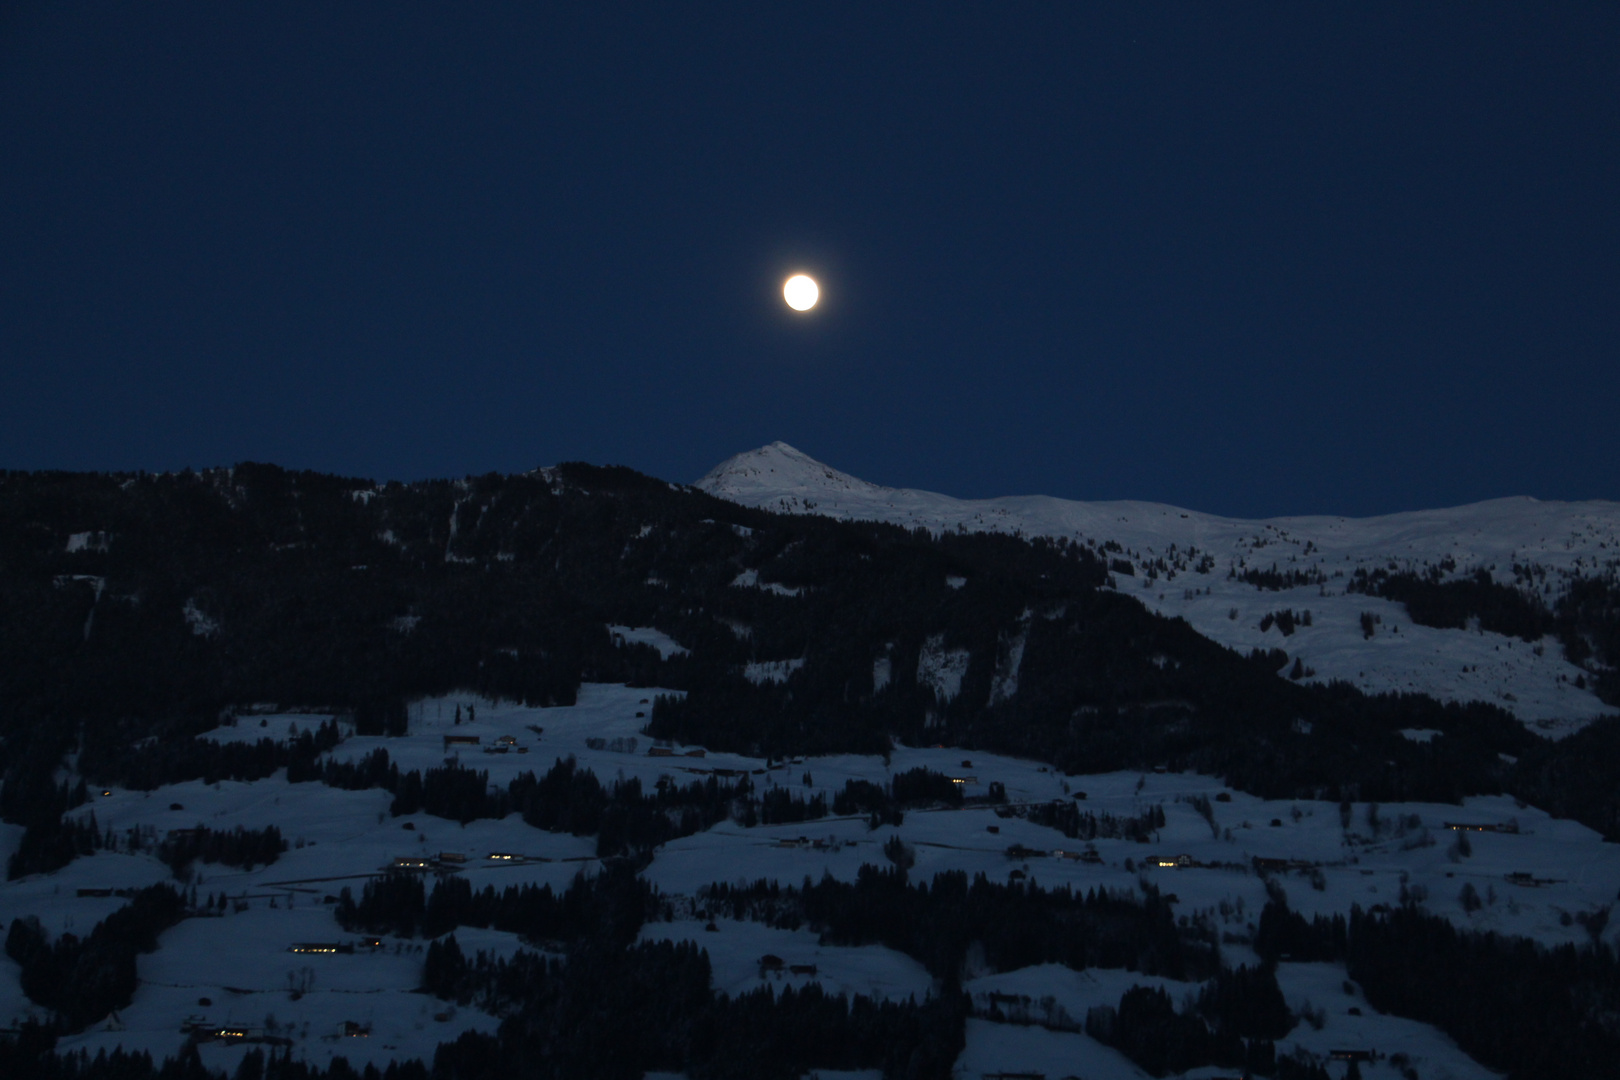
1253,259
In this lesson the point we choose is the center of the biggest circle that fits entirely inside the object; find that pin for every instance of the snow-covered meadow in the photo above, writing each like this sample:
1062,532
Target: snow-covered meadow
1533,878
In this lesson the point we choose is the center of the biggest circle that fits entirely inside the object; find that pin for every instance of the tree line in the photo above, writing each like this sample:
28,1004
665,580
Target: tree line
81,980
1015,925
1512,1004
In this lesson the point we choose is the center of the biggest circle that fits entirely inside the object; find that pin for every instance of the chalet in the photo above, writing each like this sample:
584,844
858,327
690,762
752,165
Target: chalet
1019,851
802,969
369,943
236,1034
1353,1055
1172,861
1017,875
700,752
959,780
353,1029
1088,856
320,947
460,740
1529,881
1473,826
453,857
503,856
660,751
1223,796
497,749
506,740
412,862
771,962
1264,865
992,828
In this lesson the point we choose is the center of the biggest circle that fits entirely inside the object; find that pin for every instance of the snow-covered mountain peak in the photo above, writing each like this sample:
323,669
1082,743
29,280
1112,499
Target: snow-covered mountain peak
784,478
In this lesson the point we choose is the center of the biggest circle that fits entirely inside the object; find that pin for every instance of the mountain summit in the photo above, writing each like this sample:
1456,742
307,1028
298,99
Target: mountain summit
783,478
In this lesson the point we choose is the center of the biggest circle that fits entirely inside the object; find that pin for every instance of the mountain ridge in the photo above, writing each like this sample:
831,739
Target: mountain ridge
1542,549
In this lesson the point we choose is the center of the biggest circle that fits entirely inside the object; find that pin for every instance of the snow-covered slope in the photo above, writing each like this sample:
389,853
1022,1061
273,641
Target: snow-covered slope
1537,878
1188,563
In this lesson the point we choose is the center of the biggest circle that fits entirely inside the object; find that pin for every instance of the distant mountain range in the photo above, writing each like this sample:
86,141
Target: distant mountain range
1225,575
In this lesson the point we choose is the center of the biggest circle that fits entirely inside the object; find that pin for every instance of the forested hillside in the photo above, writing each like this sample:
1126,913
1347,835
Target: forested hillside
145,606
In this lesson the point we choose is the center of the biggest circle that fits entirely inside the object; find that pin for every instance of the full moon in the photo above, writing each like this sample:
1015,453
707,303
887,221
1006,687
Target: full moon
801,292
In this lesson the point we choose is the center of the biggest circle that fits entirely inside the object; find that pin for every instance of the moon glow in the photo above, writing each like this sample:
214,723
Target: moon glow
801,292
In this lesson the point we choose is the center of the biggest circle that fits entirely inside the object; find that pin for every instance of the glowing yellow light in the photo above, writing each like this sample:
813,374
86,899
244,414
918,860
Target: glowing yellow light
801,292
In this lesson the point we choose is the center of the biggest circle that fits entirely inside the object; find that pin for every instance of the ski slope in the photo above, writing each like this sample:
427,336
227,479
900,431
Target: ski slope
1202,553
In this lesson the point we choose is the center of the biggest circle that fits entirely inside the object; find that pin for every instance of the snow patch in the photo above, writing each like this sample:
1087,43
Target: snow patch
646,635
87,541
773,671
1005,684
749,579
202,624
942,668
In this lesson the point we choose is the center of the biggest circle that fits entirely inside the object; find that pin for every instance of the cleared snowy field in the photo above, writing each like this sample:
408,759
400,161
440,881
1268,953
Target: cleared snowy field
236,969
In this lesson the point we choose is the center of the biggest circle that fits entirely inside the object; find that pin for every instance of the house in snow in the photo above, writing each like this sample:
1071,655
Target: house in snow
1475,826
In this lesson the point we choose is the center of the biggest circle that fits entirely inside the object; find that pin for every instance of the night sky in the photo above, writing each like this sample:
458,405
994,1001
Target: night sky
1250,259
